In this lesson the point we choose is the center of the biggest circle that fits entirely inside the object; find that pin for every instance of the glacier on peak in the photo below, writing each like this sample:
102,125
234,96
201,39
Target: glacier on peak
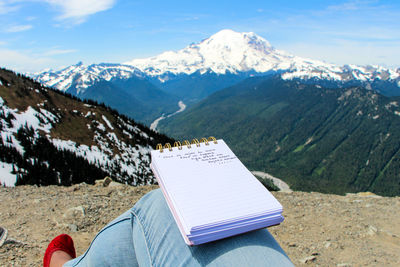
234,52
224,52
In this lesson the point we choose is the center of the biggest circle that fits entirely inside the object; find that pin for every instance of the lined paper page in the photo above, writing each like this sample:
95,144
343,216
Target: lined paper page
209,185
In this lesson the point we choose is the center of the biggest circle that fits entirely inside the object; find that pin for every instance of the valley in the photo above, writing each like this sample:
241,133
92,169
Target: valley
147,88
317,126
316,139
154,124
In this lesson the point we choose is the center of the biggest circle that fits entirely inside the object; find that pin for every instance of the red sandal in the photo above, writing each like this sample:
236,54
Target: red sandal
62,242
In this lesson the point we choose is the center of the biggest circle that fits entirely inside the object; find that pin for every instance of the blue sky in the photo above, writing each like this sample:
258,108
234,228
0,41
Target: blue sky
38,34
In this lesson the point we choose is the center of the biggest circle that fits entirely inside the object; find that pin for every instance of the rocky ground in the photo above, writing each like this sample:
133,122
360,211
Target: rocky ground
319,229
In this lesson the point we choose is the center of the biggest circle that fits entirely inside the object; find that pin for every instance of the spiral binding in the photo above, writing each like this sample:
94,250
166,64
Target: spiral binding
194,141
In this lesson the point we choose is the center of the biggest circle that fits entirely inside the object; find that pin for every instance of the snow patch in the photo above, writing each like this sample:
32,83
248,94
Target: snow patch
30,118
6,177
99,126
107,122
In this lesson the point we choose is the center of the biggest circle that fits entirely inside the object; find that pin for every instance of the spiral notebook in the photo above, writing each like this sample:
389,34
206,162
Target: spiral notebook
210,193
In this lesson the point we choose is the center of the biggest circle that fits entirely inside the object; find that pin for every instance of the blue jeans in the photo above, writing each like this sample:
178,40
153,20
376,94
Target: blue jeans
147,235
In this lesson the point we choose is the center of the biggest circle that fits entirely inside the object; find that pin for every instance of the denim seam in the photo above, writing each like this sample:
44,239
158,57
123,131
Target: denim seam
108,226
144,234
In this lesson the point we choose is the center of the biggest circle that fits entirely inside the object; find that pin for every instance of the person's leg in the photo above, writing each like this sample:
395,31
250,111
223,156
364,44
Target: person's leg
147,235
158,242
112,246
58,258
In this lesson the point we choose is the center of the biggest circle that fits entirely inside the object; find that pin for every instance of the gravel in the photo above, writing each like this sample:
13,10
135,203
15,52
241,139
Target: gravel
319,229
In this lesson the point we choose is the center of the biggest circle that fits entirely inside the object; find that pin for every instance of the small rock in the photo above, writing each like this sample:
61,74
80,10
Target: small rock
115,184
72,188
75,212
308,259
104,182
73,228
372,230
368,194
292,245
107,181
315,253
14,242
328,244
343,265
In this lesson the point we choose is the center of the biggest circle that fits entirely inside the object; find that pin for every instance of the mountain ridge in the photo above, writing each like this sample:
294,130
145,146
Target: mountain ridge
314,138
50,137
200,69
233,52
224,52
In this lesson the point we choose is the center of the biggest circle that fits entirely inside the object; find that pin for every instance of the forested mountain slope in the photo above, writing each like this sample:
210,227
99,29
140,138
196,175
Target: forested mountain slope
316,139
49,137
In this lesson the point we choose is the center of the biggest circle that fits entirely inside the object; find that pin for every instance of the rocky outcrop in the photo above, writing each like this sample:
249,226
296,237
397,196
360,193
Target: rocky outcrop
319,229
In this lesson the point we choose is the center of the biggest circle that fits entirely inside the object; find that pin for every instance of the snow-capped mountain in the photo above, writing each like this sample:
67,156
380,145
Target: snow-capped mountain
122,87
224,52
234,52
81,77
50,138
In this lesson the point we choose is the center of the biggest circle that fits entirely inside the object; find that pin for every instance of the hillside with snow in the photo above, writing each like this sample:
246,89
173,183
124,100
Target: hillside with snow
52,138
121,87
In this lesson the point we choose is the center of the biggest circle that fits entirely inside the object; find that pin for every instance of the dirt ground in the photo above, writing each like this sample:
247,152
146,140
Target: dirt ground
319,229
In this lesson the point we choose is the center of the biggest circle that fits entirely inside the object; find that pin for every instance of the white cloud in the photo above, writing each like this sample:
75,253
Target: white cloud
354,32
23,61
7,7
354,5
31,18
56,52
18,28
79,10
347,52
29,61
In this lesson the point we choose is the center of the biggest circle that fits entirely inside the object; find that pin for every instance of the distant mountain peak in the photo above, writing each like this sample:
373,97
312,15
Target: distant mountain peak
81,76
228,51
229,37
225,51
